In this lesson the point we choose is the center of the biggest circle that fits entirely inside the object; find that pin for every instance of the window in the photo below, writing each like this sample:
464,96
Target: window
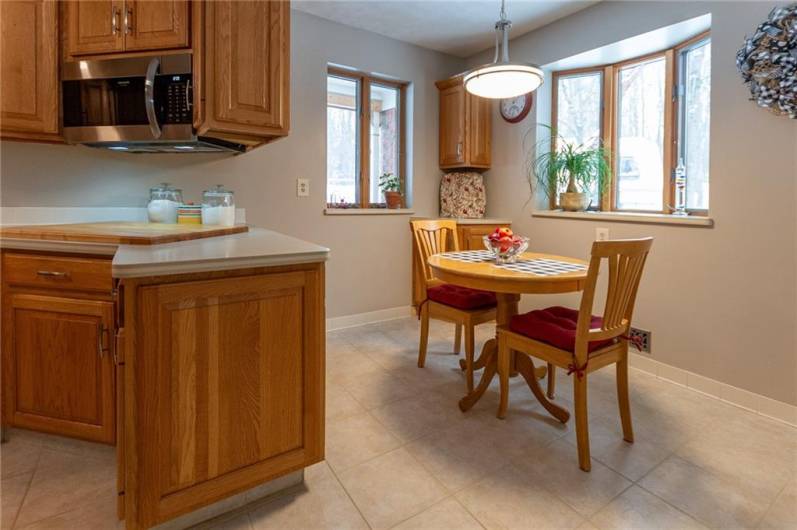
652,113
578,111
362,145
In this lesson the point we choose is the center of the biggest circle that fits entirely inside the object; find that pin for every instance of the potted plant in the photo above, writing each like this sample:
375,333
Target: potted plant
576,168
390,185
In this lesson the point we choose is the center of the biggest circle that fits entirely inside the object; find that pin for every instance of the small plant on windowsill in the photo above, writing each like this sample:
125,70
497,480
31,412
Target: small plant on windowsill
575,168
390,185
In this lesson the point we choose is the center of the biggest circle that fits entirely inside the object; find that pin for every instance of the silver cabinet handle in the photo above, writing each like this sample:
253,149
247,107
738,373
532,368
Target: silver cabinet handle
149,97
115,21
459,149
128,21
101,329
52,274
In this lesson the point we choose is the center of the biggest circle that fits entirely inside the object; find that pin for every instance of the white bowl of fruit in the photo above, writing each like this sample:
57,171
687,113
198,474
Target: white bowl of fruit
505,245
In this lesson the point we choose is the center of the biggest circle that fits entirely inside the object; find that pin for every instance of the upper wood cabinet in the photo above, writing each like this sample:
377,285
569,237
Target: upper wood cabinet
29,87
114,26
247,68
465,127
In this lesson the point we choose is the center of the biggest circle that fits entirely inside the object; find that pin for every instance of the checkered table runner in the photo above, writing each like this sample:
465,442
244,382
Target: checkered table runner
537,266
543,267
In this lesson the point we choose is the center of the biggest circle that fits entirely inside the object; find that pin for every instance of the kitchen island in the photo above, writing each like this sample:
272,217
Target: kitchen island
211,350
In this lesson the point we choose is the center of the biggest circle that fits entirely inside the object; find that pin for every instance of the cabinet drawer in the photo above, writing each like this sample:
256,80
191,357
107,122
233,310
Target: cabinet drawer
85,274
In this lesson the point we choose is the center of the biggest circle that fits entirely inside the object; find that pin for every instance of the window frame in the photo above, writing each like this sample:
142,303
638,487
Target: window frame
363,180
610,118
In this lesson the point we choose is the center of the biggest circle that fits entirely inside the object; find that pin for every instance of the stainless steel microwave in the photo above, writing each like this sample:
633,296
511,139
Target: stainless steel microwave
137,105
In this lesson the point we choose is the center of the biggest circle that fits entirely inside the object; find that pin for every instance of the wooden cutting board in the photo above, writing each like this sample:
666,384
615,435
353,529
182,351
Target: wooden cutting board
119,233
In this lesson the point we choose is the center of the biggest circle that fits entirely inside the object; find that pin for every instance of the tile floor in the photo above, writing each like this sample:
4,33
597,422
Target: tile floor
401,455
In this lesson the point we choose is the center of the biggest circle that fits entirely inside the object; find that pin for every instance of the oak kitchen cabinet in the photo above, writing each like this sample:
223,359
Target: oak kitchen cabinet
97,27
465,127
234,397
209,383
246,65
29,70
58,333
469,236
240,53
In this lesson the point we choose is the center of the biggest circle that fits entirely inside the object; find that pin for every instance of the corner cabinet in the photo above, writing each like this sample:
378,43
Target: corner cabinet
465,127
29,84
246,70
114,26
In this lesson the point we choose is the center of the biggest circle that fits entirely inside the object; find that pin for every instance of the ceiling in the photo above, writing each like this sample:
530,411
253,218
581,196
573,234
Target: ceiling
460,28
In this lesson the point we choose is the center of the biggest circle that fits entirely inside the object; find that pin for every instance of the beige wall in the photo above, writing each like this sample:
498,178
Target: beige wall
370,265
721,302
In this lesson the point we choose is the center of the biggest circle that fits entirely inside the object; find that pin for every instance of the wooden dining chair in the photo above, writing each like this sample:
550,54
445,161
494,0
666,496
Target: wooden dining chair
464,307
578,341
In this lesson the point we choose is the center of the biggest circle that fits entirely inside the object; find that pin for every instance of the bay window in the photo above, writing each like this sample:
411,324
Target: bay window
652,114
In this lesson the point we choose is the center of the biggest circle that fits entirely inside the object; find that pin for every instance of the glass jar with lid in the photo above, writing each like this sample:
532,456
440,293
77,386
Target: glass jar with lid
163,203
218,206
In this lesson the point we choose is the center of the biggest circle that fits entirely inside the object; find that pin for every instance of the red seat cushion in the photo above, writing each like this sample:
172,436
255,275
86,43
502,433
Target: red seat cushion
461,297
555,326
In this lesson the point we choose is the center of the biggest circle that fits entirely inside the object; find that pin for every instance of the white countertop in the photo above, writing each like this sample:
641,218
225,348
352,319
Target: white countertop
258,247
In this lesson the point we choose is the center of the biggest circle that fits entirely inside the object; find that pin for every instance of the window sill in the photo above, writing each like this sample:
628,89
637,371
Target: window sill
628,217
368,211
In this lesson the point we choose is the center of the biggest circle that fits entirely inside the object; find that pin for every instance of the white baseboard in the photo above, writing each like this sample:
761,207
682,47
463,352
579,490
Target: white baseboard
371,317
768,407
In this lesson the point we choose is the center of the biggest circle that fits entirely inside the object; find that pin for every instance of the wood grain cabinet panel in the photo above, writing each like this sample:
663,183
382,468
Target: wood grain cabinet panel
58,368
95,26
452,126
465,127
247,67
29,70
228,387
156,25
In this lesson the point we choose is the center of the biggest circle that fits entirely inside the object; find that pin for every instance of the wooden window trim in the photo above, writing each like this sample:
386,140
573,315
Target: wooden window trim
609,118
364,82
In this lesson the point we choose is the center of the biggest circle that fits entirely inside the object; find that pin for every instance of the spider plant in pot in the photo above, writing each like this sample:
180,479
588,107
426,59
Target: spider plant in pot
576,168
390,185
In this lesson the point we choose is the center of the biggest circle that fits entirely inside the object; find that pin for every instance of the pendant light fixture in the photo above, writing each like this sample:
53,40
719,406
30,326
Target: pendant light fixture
502,78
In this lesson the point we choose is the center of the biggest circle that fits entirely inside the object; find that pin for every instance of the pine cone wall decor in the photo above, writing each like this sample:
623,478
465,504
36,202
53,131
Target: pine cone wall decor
768,62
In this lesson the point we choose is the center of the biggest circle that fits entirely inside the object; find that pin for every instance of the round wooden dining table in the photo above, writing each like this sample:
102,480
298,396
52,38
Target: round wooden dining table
508,285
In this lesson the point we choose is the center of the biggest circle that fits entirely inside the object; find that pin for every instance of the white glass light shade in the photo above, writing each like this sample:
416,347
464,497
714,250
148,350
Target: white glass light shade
503,80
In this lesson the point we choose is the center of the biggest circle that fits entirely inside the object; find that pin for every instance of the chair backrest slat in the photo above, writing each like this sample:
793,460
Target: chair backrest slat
433,236
626,260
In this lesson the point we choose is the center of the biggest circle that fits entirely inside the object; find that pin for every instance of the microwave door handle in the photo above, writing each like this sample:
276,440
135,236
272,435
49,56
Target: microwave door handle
149,97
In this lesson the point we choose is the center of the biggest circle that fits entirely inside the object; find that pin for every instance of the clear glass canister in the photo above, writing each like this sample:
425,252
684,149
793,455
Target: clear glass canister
163,203
218,206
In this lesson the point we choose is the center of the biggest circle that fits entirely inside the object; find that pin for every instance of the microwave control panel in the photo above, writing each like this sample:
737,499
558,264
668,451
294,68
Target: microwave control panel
173,93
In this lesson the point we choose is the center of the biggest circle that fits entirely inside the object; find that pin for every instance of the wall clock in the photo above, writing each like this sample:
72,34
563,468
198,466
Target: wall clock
515,109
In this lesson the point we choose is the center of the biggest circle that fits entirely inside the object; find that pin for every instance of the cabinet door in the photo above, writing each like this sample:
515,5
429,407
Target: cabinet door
452,126
247,67
228,388
479,130
58,366
156,25
94,26
29,67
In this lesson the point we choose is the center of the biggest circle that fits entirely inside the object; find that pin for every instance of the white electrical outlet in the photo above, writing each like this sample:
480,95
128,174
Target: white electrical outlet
601,234
302,188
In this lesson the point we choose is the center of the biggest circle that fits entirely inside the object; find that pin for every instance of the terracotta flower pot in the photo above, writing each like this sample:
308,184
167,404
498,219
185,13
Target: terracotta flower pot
393,199
573,202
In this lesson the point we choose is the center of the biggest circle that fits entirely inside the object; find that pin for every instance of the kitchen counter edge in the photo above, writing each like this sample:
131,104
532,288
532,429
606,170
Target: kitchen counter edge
259,247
